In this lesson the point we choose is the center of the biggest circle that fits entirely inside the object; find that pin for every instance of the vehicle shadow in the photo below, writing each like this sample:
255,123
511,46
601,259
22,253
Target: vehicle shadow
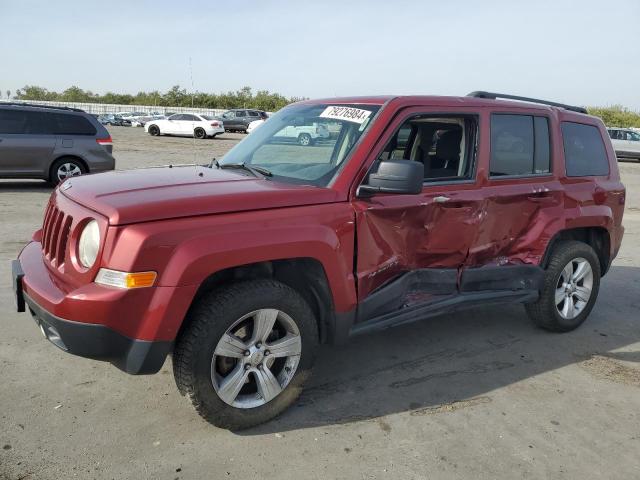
457,360
25,186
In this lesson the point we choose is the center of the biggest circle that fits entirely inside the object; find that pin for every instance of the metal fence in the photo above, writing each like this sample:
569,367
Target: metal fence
102,108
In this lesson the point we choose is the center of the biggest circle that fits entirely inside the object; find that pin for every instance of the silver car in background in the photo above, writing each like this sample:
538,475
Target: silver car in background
626,142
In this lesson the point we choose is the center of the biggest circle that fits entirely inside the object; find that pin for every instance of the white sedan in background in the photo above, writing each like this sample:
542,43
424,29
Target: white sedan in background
253,125
186,124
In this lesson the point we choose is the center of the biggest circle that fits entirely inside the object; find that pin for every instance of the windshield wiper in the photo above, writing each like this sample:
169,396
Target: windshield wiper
258,172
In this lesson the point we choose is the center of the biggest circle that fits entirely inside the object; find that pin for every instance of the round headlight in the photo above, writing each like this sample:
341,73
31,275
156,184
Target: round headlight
89,244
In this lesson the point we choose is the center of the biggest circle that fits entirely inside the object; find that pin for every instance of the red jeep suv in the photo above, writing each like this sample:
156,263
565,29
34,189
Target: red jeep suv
412,207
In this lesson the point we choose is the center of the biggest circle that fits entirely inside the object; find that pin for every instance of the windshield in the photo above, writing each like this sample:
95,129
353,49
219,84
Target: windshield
304,143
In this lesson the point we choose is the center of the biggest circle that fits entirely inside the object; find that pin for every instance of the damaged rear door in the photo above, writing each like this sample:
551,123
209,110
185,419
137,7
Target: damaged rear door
524,204
412,247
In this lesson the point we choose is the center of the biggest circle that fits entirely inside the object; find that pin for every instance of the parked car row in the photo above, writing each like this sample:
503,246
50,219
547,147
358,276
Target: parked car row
114,120
203,126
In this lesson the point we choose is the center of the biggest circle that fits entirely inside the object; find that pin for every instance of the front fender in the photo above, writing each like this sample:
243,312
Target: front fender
187,251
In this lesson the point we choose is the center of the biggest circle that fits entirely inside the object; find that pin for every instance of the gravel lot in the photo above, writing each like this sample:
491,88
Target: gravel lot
481,394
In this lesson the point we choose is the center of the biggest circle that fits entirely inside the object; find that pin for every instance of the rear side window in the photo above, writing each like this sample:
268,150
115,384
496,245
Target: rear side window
72,125
584,152
519,145
12,122
26,122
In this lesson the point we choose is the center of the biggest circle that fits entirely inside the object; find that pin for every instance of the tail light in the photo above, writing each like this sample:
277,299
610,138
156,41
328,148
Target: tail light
215,124
104,141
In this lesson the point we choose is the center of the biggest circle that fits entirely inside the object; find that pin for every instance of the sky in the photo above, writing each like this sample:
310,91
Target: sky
580,52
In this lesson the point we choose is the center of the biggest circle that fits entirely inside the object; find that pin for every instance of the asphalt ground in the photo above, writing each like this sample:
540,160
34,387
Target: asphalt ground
477,394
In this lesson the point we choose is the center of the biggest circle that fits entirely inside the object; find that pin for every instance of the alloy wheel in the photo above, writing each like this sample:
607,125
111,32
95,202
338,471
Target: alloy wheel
256,358
305,140
573,289
67,170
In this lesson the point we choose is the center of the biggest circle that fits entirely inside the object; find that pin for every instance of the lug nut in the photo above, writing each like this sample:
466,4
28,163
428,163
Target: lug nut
258,345
247,366
247,353
267,352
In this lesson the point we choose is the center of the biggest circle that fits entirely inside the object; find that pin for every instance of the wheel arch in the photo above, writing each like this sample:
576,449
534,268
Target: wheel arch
67,155
597,238
305,275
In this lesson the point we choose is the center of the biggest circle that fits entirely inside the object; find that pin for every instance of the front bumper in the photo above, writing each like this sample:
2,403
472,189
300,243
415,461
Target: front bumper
91,340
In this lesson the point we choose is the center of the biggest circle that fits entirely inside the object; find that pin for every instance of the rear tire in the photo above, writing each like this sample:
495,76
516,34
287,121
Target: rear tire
154,130
64,168
570,288
223,345
200,133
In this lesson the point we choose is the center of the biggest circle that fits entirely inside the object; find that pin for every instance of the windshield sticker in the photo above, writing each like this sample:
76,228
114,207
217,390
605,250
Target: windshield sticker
355,115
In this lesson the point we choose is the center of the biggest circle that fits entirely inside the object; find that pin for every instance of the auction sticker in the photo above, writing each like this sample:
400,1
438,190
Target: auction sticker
350,114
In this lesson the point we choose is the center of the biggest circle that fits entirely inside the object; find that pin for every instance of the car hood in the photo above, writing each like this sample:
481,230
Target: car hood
143,195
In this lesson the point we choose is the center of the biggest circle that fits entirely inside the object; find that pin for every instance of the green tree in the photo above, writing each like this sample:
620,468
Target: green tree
176,96
33,92
616,116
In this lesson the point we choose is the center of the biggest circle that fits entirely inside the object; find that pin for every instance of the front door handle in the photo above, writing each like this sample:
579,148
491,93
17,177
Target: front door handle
541,197
440,199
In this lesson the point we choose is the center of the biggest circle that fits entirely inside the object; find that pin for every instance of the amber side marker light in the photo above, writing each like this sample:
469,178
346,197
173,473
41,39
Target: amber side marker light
114,278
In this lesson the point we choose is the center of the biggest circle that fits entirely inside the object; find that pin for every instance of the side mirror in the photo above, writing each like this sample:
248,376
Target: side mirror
394,176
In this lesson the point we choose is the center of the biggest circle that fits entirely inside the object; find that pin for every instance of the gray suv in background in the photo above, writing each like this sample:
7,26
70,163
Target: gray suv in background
51,143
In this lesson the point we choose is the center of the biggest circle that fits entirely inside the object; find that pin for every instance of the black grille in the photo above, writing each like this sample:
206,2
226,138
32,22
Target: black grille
55,235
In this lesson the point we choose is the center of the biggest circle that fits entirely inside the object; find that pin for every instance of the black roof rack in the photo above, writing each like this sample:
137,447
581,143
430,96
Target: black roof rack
37,105
493,96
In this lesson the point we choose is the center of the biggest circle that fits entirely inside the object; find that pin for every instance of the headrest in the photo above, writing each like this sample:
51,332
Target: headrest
448,146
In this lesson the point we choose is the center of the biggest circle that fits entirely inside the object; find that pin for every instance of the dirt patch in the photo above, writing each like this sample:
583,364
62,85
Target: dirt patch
613,370
451,407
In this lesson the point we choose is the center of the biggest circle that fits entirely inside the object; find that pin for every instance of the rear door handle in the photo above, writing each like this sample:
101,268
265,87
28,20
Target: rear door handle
441,199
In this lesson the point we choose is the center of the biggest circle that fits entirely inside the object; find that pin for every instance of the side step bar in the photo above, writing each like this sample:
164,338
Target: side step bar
447,304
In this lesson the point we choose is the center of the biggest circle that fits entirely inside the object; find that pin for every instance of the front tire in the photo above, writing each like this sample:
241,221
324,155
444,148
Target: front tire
570,288
246,353
305,139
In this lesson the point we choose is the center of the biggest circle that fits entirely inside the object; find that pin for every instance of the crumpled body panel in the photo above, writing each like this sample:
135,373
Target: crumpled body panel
397,234
508,223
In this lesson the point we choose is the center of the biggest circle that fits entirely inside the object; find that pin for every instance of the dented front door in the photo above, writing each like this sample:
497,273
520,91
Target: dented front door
397,234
